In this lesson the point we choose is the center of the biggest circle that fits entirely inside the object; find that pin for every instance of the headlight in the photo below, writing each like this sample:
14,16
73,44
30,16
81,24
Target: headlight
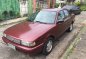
4,34
28,43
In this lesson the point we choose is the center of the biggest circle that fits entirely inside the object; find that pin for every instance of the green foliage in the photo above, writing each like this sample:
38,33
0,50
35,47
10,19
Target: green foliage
32,17
83,7
9,15
77,3
56,5
1,18
18,15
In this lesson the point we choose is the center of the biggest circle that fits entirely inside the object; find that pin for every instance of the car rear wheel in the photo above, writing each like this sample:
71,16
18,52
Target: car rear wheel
48,47
70,28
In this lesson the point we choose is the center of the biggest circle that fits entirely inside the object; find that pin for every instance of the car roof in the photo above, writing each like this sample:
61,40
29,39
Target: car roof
53,9
69,6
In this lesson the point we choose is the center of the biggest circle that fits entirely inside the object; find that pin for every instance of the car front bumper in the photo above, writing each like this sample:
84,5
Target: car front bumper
30,50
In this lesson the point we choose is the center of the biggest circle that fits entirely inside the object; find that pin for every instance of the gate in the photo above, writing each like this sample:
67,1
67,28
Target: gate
9,9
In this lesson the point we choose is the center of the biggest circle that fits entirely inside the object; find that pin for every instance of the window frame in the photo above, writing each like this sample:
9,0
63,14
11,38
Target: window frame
58,16
65,14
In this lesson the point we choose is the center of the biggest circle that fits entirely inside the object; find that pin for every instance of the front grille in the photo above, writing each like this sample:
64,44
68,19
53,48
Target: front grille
13,39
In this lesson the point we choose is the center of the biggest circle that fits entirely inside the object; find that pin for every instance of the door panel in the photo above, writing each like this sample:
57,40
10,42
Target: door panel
60,26
63,26
67,23
67,19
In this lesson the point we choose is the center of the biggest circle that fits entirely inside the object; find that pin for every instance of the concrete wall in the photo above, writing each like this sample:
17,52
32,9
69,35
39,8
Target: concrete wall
23,7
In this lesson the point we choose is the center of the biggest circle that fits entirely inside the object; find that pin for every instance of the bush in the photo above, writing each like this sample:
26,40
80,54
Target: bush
8,15
56,5
17,15
83,7
5,15
1,18
77,3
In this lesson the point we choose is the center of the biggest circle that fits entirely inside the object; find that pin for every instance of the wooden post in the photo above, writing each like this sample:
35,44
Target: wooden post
54,1
48,2
34,5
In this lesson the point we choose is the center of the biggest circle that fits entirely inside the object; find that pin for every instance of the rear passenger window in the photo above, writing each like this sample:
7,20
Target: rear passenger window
66,13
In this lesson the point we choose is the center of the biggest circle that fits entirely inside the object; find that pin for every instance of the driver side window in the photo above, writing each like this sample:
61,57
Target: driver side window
61,16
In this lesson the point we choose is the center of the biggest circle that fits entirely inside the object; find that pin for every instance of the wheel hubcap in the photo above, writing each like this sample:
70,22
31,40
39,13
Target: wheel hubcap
49,46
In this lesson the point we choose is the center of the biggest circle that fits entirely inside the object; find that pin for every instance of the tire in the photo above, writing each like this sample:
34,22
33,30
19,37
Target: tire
70,28
48,47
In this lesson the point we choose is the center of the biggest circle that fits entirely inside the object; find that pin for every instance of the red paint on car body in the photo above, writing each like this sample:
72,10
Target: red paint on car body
36,32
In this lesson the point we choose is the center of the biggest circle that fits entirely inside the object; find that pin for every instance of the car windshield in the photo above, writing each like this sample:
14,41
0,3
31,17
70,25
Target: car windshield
45,17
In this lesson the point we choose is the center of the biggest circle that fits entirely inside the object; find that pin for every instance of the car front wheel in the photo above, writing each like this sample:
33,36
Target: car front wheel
48,47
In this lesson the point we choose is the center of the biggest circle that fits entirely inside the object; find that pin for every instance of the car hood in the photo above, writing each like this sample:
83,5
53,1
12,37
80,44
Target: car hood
28,31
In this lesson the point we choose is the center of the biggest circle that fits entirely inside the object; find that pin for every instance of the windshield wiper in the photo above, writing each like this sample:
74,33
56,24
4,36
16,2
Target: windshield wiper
38,21
41,22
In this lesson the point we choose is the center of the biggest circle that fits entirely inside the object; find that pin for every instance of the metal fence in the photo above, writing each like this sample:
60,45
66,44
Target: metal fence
9,9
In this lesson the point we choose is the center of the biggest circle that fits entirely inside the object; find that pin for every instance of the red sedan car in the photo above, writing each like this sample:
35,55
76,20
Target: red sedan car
39,35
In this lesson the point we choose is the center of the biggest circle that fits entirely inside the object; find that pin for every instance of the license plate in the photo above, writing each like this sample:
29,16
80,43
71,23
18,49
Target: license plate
11,46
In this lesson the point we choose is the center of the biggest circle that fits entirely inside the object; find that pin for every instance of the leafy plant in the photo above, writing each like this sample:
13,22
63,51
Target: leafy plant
32,17
77,3
56,5
83,7
18,15
1,18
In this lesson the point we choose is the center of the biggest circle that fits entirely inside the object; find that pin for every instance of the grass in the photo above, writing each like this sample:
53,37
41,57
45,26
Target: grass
83,7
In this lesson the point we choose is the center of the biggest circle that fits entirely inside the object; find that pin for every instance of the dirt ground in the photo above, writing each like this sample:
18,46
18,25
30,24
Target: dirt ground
8,53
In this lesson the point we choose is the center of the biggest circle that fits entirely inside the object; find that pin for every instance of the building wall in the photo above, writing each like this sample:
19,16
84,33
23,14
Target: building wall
23,7
33,5
43,4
